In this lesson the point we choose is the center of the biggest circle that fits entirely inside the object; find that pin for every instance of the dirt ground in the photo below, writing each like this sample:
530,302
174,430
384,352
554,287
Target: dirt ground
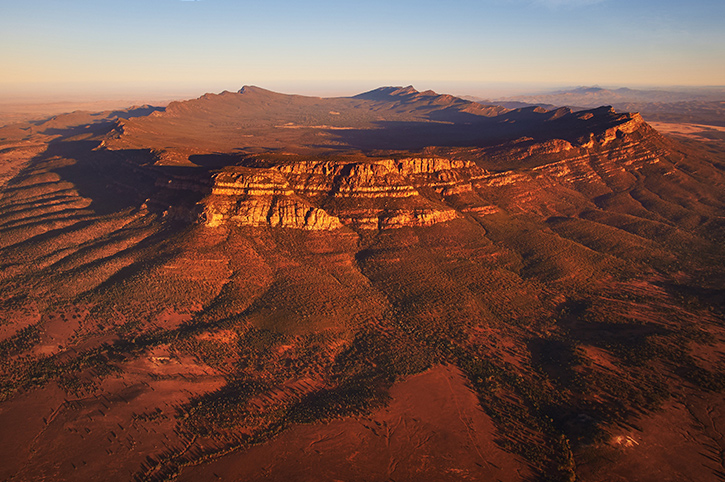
433,429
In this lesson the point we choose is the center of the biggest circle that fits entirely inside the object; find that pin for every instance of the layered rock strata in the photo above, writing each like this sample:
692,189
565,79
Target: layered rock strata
325,194
609,164
387,193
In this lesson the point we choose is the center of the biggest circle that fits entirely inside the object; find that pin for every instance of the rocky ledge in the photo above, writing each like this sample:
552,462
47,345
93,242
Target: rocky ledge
328,194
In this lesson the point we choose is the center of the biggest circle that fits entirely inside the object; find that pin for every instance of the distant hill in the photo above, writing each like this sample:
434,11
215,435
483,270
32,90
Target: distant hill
694,106
596,96
269,119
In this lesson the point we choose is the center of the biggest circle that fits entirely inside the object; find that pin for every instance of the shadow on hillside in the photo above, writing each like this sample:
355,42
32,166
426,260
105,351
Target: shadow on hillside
118,180
397,135
77,123
215,161
476,131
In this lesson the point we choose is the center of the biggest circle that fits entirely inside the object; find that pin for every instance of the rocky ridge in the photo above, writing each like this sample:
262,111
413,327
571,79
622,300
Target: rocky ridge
378,194
385,193
314,183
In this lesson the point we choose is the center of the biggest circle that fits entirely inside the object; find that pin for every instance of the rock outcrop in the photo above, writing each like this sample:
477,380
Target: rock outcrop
318,164
327,194
548,172
274,211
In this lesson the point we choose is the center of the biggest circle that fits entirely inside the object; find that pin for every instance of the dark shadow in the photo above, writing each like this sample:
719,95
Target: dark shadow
113,180
91,129
118,180
216,161
697,297
82,122
628,341
135,112
78,224
152,244
451,128
555,358
42,218
395,135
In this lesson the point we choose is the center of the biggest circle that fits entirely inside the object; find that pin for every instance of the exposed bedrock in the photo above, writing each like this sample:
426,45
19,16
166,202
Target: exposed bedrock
324,193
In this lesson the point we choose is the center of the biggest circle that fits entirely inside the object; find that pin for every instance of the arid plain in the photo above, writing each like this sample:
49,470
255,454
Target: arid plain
398,285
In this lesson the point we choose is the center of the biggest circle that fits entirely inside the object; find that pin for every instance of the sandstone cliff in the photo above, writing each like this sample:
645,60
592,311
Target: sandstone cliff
298,162
326,194
369,193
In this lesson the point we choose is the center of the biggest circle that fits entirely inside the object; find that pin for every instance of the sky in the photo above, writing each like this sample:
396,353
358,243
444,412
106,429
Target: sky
99,48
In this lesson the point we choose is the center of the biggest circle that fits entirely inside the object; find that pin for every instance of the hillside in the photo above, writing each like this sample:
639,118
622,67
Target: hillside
399,285
695,113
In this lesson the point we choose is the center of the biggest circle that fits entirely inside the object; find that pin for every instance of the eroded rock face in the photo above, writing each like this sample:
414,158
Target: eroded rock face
526,159
388,193
275,211
324,195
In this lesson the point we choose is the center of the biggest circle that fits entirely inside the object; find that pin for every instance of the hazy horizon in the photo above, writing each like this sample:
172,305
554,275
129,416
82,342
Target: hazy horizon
184,48
32,95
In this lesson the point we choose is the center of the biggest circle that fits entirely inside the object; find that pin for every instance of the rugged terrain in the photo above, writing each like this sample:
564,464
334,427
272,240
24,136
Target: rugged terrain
399,285
691,113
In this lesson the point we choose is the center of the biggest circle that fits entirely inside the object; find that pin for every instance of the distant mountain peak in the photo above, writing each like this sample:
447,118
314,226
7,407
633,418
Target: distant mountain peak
385,93
595,89
409,90
253,89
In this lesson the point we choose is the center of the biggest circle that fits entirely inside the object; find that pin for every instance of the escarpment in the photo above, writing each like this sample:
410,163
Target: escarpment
260,163
557,177
273,211
327,194
388,193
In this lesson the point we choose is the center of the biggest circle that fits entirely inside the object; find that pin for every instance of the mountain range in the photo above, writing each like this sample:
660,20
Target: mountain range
398,285
699,106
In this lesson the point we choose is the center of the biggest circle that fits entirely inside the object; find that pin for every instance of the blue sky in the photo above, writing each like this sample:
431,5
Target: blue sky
101,47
